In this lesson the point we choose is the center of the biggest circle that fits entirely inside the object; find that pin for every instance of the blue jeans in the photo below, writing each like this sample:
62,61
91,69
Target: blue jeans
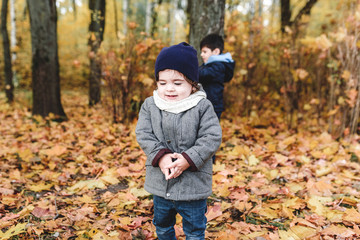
192,212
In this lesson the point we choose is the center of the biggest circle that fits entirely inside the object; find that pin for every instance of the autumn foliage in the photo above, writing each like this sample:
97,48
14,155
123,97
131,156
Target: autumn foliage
83,179
288,166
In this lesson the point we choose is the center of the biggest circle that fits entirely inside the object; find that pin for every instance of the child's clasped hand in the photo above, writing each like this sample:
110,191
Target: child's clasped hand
173,165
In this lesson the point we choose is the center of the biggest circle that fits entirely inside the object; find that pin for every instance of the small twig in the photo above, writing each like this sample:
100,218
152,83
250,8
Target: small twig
56,209
340,201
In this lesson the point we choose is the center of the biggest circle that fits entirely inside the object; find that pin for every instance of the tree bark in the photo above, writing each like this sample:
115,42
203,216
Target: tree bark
45,61
74,9
116,19
285,14
9,87
154,16
206,16
125,7
148,17
305,10
96,29
13,40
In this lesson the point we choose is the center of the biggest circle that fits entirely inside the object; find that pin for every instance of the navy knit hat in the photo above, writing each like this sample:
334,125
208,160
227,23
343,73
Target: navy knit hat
181,57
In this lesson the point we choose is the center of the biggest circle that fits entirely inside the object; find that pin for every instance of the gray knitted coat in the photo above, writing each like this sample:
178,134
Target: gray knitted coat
195,133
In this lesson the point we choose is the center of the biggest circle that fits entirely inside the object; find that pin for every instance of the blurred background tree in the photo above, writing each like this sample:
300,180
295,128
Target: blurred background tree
295,57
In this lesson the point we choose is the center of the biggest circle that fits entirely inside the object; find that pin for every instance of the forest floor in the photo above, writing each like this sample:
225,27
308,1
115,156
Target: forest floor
83,179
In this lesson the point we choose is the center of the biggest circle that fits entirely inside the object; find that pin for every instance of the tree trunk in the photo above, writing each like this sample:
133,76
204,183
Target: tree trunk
9,87
45,62
116,20
260,11
206,16
173,26
154,16
125,7
285,14
148,17
13,41
96,29
74,8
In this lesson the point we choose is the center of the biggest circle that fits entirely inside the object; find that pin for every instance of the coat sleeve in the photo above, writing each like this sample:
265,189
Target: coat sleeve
212,73
208,140
150,144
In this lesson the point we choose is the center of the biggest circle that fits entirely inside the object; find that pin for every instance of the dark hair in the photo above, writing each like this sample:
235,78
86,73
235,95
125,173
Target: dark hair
194,85
213,41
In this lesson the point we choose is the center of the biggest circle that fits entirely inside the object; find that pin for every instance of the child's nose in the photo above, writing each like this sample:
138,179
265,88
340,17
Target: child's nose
170,87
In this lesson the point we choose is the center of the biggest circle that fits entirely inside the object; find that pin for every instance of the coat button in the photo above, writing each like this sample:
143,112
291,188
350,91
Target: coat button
168,194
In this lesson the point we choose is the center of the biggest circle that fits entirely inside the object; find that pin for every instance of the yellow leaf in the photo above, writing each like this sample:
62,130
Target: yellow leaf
110,179
272,174
280,158
269,213
240,150
288,235
352,215
26,155
316,204
307,107
303,232
224,191
86,199
256,234
225,205
15,175
339,231
332,112
341,100
323,42
253,161
243,71
323,171
40,187
8,200
26,210
55,151
287,141
218,167
14,230
125,220
101,236
346,75
294,187
88,184
128,205
294,203
93,232
140,193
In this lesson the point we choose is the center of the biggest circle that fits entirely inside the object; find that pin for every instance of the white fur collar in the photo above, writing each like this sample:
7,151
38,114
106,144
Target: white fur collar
179,106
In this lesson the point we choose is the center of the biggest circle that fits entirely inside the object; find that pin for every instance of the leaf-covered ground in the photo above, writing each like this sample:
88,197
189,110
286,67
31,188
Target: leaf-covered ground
83,179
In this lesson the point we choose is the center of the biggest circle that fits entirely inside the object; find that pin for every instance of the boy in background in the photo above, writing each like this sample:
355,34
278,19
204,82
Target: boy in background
217,69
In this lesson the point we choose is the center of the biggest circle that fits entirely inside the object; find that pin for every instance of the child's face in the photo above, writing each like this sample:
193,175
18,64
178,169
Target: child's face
207,52
172,86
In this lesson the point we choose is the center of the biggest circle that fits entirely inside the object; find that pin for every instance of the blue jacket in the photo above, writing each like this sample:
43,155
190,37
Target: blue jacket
212,75
195,133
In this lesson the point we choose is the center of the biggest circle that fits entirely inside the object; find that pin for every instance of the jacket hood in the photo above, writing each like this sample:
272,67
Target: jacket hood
226,57
229,72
